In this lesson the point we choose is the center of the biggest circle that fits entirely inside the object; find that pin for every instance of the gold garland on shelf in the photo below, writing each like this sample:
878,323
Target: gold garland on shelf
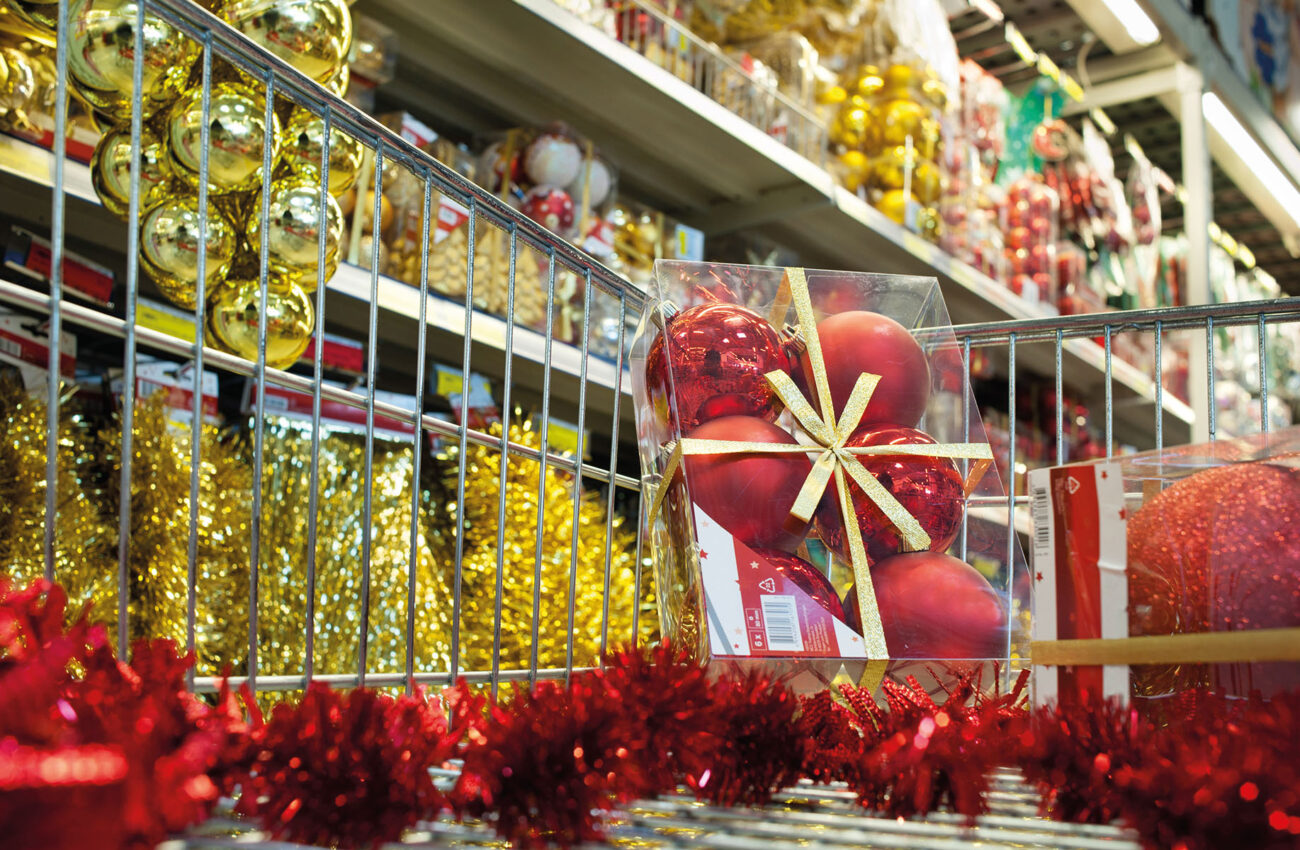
479,517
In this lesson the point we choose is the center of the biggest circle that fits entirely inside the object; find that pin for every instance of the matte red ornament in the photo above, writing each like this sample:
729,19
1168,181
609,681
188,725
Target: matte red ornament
1220,551
935,606
929,488
859,341
710,362
807,577
550,207
750,494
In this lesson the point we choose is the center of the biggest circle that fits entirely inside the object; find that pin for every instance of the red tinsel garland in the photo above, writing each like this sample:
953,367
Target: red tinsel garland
136,756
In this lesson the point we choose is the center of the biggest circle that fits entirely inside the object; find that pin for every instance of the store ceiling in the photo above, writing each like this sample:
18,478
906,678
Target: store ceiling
1054,28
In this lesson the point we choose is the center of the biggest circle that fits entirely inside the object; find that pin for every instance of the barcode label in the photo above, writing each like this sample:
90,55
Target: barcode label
1043,516
1042,513
8,346
781,623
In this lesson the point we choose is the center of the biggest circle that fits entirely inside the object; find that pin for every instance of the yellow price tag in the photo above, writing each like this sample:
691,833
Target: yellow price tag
449,383
153,318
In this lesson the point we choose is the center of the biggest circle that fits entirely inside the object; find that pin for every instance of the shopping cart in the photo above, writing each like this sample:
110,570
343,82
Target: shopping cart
807,813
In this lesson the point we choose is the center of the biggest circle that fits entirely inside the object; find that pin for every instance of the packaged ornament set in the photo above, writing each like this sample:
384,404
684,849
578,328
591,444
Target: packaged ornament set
810,454
1168,571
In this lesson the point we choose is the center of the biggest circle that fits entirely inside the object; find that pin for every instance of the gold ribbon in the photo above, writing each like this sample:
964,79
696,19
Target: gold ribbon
1196,648
835,460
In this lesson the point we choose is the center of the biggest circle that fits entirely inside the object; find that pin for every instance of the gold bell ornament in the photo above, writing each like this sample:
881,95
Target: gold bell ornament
234,316
110,170
313,36
101,48
293,230
169,247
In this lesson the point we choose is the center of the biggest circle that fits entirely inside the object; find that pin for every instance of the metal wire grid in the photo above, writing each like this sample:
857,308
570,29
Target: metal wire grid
806,816
390,151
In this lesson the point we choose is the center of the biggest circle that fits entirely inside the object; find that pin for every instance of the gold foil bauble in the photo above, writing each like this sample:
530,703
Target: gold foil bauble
854,168
169,247
852,127
101,47
234,320
868,81
301,143
237,132
110,170
293,231
41,14
311,35
894,204
901,118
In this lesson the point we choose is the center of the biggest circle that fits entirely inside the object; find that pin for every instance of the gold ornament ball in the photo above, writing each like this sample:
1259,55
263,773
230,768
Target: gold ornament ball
929,223
19,88
898,80
869,81
237,132
852,126
832,95
854,168
234,320
301,144
337,84
110,170
313,36
169,247
41,14
894,204
101,56
900,118
927,183
293,231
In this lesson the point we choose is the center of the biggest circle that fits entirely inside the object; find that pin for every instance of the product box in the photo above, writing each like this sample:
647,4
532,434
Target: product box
1169,570
813,462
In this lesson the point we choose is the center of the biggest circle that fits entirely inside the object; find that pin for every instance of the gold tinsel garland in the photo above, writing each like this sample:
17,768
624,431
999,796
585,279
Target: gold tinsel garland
282,585
85,542
479,519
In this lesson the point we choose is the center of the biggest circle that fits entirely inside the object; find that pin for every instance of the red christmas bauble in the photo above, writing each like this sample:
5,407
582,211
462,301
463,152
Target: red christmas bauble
550,207
1220,551
859,341
934,606
710,362
750,494
810,580
930,488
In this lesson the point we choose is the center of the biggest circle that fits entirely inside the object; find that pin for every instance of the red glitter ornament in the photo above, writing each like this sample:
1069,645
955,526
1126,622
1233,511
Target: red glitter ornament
859,341
929,488
347,770
935,606
1220,551
710,361
750,494
807,577
550,207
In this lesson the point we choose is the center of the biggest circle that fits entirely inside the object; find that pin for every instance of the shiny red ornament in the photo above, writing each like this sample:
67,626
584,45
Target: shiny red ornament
929,488
750,494
550,207
934,606
710,361
859,341
1220,551
807,578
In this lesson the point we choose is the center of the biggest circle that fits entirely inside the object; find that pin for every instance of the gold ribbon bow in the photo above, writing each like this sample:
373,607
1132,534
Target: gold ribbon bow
835,459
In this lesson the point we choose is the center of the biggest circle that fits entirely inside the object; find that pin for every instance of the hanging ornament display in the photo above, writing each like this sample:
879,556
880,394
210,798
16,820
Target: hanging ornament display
573,560
170,241
234,318
237,133
101,47
293,231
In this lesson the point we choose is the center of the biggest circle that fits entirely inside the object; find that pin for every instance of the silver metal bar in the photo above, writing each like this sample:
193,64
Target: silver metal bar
318,372
1011,452
200,322
210,684
1213,404
132,293
541,474
464,440
965,436
53,380
507,414
259,381
1263,375
1110,396
636,581
1060,404
609,497
1159,381
417,447
372,372
577,481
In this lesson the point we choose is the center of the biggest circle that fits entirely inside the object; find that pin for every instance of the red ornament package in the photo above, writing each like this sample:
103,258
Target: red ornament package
818,484
1169,571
